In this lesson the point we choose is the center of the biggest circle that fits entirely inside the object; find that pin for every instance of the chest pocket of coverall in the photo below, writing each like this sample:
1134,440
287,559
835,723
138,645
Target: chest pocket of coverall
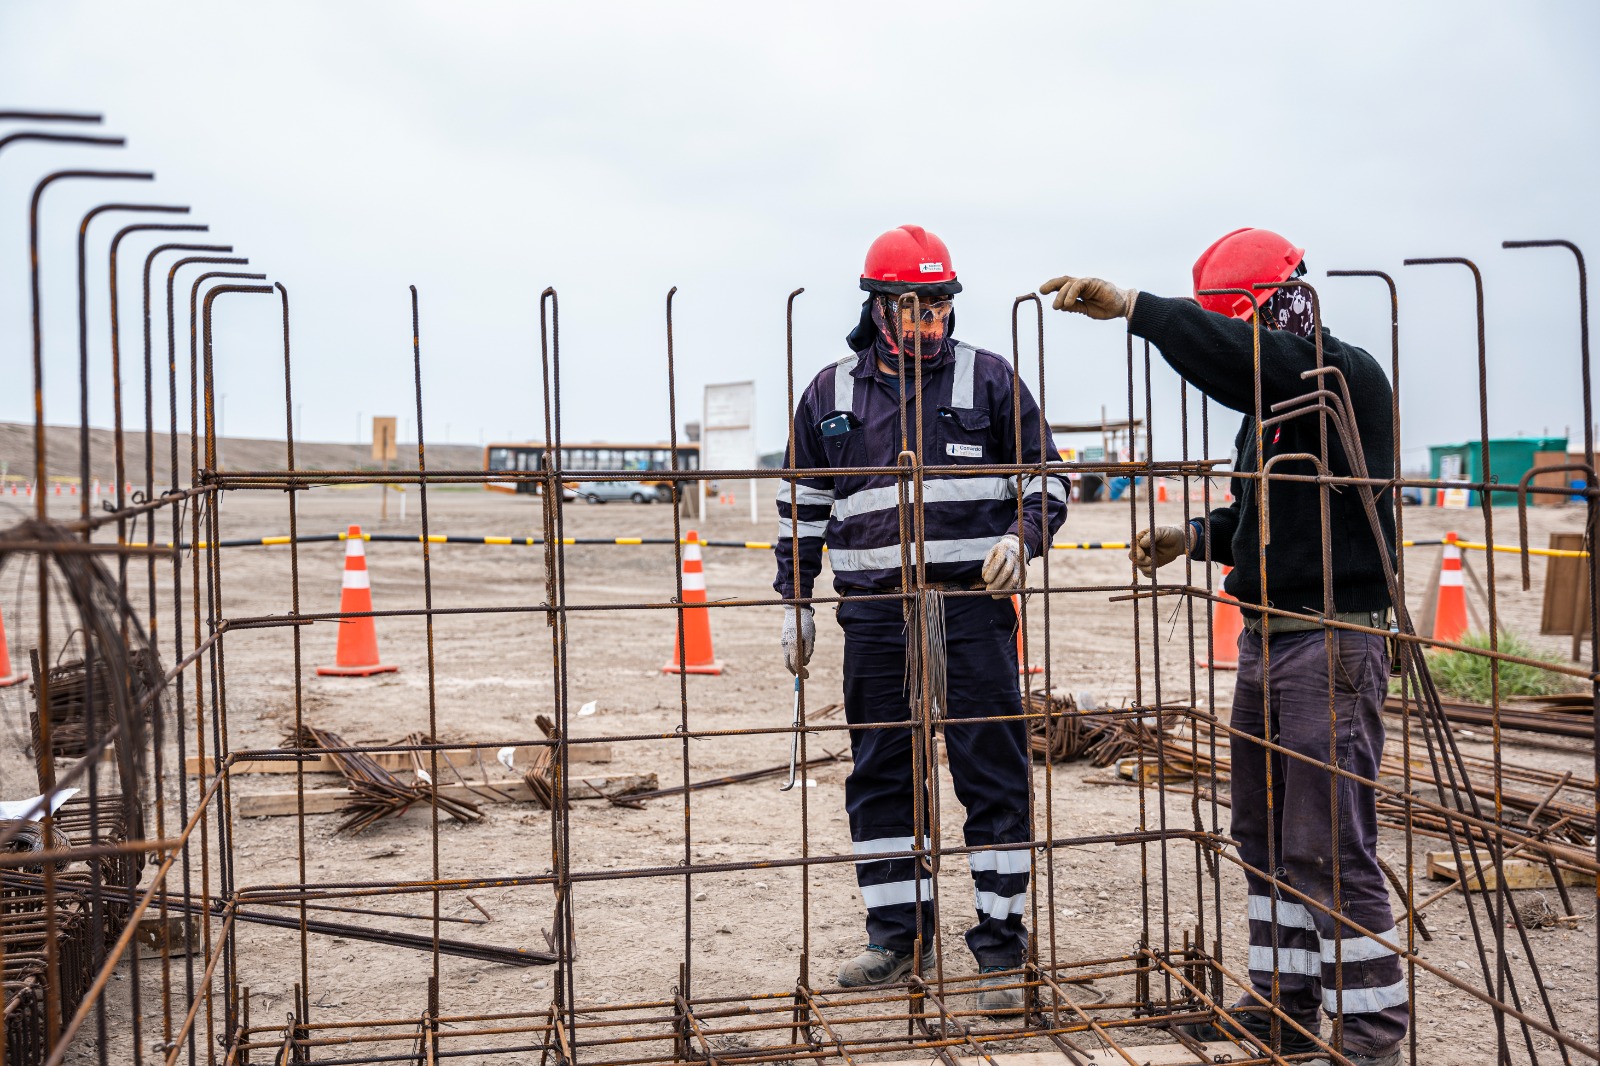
961,438
845,449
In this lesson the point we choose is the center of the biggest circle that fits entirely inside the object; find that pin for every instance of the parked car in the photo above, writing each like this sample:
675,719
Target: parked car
606,491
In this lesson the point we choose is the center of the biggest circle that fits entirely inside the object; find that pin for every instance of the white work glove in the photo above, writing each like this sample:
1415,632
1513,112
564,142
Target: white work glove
1155,548
1006,564
1094,297
799,638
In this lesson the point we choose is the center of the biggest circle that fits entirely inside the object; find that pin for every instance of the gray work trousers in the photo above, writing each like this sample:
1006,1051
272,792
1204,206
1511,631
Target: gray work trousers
1327,853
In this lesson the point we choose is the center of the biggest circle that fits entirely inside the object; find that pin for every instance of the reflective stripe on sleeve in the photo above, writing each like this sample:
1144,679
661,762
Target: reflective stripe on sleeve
806,496
807,529
1030,487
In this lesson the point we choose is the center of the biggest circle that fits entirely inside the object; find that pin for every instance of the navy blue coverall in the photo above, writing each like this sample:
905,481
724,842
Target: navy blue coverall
967,419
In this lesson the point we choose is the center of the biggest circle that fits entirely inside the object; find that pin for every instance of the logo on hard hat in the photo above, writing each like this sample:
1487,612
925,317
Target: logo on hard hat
932,268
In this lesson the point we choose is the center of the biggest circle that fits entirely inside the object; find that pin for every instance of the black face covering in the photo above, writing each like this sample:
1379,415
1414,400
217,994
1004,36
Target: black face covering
875,327
1289,309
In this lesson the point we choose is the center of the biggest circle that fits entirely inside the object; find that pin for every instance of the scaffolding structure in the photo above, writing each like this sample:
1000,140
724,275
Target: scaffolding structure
79,883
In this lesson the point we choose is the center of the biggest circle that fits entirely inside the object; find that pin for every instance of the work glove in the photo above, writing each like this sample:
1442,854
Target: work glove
1006,564
799,638
1095,297
1155,548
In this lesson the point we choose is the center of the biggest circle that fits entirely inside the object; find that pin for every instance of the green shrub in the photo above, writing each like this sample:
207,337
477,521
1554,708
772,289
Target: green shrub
1466,676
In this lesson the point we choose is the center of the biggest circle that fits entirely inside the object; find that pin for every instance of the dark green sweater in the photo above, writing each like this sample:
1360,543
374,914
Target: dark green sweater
1214,354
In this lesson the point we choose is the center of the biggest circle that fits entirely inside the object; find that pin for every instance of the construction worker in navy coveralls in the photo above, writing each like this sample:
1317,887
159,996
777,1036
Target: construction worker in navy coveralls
849,416
1209,342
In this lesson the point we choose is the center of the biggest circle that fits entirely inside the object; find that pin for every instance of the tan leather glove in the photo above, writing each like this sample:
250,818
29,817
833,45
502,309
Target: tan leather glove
799,638
1155,548
1095,297
1006,564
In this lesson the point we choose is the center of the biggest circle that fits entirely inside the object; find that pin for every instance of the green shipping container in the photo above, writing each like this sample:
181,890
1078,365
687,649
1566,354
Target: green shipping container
1509,458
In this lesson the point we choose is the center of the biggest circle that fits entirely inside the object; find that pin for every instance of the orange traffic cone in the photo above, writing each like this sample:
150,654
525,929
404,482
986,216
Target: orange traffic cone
1450,613
7,678
1226,625
1022,667
357,654
1161,492
694,640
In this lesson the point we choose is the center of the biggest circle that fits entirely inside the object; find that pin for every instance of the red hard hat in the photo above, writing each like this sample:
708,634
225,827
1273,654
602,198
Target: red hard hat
1239,260
909,259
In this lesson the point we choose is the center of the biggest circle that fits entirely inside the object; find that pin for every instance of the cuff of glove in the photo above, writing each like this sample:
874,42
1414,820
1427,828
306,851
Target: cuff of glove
1133,300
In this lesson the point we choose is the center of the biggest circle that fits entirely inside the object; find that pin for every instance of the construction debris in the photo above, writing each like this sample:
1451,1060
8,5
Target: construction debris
70,686
374,792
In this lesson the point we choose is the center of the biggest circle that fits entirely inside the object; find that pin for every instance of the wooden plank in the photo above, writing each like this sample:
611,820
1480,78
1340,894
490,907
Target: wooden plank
1144,1055
329,800
1566,590
464,759
1128,769
1520,873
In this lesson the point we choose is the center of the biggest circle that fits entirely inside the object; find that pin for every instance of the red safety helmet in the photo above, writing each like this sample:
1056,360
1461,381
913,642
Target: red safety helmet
1239,260
909,259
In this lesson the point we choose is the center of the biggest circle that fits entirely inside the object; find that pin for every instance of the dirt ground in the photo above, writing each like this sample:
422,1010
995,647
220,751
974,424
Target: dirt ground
493,674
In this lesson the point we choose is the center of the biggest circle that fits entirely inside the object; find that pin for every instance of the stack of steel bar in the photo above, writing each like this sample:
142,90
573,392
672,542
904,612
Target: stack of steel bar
1063,733
70,686
1570,715
377,793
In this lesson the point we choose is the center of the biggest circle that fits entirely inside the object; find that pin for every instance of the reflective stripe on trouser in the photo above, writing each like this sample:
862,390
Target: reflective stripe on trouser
988,767
1372,998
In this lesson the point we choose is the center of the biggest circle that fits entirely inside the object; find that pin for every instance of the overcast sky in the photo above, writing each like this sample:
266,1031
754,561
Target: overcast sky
484,151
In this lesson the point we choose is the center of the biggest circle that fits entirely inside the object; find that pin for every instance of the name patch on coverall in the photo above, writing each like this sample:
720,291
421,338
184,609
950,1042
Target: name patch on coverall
964,451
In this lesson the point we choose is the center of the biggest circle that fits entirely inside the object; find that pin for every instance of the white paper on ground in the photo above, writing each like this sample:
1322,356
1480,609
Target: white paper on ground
507,757
587,709
33,808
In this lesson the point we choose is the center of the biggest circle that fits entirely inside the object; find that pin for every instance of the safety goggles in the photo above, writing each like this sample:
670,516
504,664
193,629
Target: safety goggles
924,311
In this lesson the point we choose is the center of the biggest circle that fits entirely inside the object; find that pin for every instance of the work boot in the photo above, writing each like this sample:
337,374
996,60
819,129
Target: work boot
1391,1059
1258,1024
994,997
881,966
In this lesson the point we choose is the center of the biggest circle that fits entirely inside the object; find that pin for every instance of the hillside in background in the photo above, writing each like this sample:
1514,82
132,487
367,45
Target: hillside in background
234,453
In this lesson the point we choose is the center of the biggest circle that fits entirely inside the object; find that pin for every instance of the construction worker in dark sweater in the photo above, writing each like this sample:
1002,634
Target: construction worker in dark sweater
1209,342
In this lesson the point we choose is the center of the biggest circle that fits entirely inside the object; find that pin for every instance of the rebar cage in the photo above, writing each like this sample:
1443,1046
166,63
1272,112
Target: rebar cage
124,911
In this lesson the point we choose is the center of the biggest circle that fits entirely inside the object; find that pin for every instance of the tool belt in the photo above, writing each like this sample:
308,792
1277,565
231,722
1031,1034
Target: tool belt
1277,624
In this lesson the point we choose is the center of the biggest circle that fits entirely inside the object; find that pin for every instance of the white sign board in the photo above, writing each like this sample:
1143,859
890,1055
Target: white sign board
728,433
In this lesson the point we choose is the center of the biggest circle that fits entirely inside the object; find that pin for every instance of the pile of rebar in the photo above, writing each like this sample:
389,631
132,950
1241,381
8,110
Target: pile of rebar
376,793
1568,715
70,685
